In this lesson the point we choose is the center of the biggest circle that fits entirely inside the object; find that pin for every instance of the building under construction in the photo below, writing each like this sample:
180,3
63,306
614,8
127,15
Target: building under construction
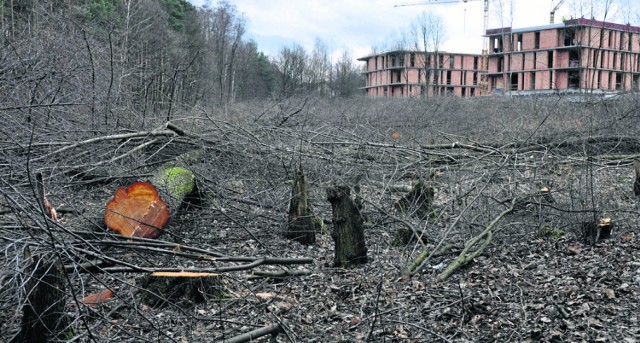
577,55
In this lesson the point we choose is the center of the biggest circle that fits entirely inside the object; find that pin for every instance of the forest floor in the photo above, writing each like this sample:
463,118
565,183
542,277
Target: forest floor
542,278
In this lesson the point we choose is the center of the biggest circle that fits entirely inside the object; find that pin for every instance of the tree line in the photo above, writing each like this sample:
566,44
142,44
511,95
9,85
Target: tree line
151,56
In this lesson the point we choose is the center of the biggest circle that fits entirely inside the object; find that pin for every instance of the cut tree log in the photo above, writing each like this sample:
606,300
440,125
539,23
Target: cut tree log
348,229
273,330
177,187
302,225
44,319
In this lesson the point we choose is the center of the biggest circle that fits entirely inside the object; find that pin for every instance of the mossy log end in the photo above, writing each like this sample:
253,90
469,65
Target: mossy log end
418,201
348,229
302,225
44,318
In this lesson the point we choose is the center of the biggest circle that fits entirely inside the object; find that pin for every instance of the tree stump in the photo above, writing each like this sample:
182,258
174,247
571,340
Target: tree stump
177,187
159,291
418,201
303,225
595,231
348,229
44,318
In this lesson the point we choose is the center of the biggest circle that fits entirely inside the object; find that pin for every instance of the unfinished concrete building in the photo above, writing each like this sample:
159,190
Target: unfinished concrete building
577,55
410,73
574,56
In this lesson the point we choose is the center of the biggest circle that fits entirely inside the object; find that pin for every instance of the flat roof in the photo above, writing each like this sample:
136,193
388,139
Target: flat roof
566,23
390,52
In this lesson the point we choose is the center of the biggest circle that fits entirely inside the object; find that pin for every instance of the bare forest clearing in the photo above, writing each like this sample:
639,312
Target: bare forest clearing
520,187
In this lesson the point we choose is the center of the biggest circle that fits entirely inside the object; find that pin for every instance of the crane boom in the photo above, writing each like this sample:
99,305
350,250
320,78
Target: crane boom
553,11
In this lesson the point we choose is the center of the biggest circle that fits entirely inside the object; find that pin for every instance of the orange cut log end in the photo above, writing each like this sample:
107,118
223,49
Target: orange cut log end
137,211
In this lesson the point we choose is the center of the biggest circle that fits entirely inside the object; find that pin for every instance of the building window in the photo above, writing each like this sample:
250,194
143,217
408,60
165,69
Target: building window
451,61
497,44
537,40
532,81
574,79
412,59
611,39
569,37
550,59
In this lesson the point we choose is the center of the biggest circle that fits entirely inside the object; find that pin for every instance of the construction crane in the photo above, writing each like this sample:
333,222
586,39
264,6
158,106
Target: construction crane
553,11
485,25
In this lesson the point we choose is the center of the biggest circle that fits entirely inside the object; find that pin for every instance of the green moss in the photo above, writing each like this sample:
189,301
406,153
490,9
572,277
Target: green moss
552,232
318,223
177,182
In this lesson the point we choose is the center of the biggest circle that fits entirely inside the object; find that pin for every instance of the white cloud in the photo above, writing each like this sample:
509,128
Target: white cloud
360,25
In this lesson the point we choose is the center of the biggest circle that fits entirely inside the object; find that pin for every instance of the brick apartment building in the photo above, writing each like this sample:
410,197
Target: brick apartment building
578,54
405,73
572,56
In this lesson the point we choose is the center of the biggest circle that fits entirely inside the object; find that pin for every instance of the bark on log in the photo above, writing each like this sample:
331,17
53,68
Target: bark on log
348,229
303,225
176,186
273,330
44,318
483,240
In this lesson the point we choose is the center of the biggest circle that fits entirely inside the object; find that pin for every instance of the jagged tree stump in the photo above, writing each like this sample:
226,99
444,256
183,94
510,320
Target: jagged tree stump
303,225
348,229
418,201
44,319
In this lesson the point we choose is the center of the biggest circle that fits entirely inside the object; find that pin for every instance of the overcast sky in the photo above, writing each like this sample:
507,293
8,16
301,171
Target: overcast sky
360,25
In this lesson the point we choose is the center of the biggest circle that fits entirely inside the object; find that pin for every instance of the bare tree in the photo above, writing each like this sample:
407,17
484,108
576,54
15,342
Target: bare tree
347,77
319,69
428,32
292,67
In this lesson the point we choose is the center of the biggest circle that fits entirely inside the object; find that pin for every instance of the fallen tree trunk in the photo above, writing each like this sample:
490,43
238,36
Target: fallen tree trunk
484,239
273,330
